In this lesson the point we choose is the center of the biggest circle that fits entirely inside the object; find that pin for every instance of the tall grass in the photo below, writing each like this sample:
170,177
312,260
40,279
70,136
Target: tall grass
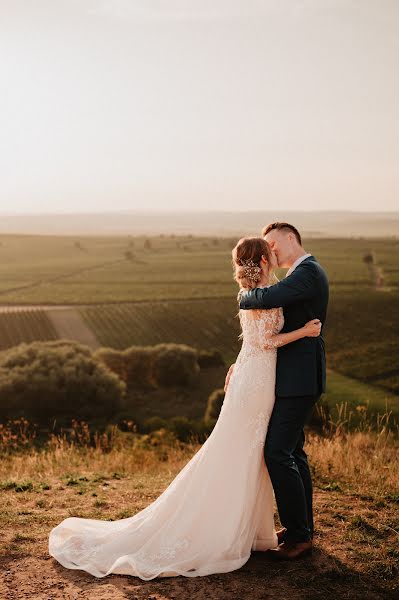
365,459
78,450
356,447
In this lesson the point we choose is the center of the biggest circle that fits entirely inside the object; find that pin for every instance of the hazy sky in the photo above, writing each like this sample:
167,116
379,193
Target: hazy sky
241,104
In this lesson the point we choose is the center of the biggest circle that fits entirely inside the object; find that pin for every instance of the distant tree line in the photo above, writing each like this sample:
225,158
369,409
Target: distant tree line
63,380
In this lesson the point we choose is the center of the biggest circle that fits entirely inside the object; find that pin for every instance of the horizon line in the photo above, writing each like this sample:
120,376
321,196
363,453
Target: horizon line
195,211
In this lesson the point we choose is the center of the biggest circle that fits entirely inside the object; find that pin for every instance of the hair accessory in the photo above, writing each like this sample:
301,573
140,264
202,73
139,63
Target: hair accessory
252,271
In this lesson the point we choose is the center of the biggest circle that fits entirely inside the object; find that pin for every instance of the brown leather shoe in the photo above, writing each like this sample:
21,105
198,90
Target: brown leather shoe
281,535
290,550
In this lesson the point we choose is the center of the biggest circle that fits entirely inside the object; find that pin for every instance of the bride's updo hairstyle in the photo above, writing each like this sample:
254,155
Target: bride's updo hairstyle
246,261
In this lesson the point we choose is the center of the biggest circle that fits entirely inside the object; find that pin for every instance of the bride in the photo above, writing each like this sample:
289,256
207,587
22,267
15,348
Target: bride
220,505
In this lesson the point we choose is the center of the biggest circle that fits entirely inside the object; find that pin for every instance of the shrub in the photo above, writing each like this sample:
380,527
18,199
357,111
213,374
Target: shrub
210,358
113,359
164,365
214,405
61,379
183,428
129,255
186,430
138,361
175,364
154,424
133,365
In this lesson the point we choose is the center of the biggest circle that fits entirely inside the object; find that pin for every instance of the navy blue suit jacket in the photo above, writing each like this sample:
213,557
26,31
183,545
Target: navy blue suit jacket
303,295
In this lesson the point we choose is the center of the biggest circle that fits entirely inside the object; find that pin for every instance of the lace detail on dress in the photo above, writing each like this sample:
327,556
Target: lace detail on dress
90,549
167,552
83,548
260,325
258,329
258,427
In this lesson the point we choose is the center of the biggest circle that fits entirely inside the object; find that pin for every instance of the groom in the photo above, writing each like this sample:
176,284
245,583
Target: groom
300,380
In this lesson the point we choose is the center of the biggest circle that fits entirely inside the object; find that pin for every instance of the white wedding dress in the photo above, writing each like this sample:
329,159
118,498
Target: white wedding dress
221,504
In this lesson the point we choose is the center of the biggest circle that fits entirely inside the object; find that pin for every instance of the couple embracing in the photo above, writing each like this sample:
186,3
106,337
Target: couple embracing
220,507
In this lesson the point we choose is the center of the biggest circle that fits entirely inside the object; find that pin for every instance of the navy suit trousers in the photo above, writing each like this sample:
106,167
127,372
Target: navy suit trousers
288,467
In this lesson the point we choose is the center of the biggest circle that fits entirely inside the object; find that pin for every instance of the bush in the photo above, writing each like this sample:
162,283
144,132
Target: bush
154,424
214,405
175,364
61,379
186,430
133,365
210,358
183,428
113,359
164,365
138,364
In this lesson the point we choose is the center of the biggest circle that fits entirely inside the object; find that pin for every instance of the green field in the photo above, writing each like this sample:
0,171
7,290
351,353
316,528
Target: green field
180,289
354,394
25,326
70,270
205,324
361,331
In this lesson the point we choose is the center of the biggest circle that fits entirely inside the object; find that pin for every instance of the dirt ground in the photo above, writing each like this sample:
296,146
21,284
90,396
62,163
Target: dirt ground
345,562
42,578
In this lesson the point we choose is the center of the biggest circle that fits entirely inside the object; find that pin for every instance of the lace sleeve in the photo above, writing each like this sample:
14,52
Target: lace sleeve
270,343
260,327
270,328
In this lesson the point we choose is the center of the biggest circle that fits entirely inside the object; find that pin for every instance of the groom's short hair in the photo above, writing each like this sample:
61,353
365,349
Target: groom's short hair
282,226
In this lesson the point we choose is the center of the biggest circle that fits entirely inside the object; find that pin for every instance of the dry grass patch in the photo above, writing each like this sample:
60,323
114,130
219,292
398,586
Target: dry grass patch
356,513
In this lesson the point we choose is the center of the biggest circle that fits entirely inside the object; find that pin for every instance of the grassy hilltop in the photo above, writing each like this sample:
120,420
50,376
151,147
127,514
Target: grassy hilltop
355,502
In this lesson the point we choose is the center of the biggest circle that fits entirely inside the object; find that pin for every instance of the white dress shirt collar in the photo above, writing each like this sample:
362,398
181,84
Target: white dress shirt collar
297,262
